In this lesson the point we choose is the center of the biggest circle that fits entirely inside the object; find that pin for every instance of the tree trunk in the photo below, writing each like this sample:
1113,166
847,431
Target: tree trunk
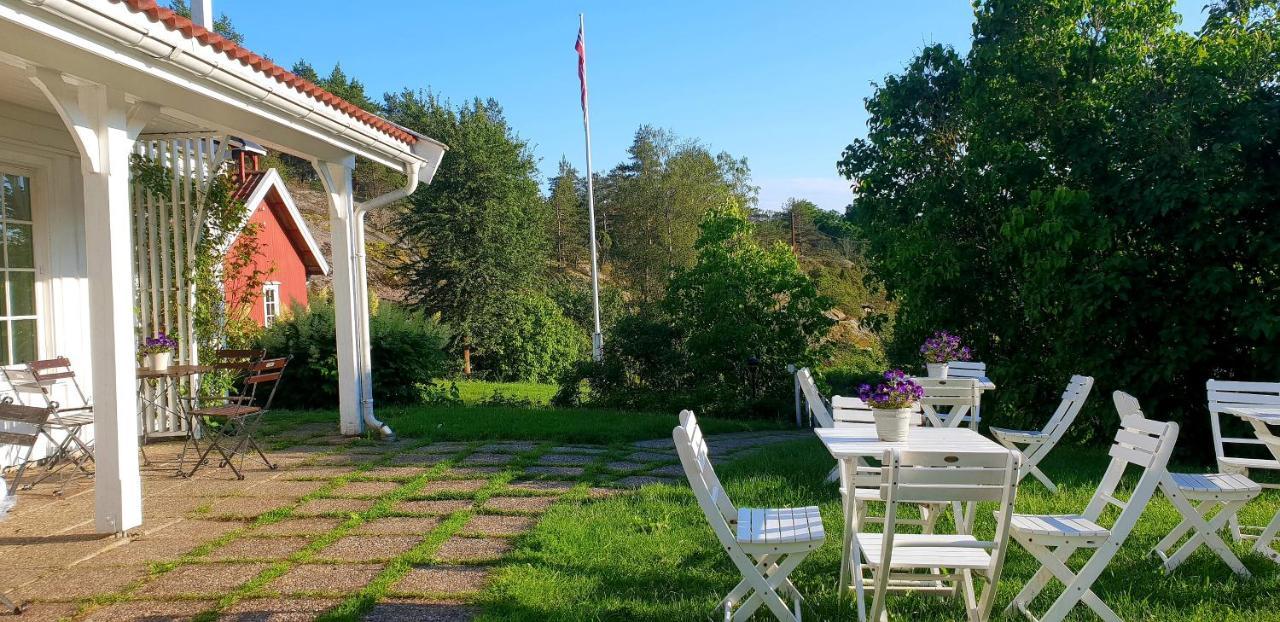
466,361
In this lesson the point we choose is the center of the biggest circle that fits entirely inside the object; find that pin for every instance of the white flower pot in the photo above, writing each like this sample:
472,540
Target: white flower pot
159,361
892,424
937,370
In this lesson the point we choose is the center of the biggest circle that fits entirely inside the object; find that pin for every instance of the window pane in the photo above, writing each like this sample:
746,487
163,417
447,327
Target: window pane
20,206
4,296
4,343
18,238
24,340
22,293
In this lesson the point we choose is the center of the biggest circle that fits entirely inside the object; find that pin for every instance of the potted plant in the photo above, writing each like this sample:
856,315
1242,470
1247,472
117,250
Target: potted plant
158,351
941,349
891,403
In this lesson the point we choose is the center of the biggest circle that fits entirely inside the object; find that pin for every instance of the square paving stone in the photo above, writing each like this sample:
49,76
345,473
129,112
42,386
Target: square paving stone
440,448
395,472
453,486
595,451
341,459
144,550
148,611
402,610
282,489
649,456
334,506
566,459
419,459
473,549
325,578
657,443
198,529
489,458
434,507
43,612
399,525
365,489
80,582
309,473
277,610
636,481
509,447
469,472
555,471
445,580
533,505
671,470
243,507
624,466
258,549
489,525
298,527
195,579
368,548
544,486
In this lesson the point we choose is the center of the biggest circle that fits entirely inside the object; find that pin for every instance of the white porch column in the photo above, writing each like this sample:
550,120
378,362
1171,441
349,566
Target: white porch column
104,127
353,368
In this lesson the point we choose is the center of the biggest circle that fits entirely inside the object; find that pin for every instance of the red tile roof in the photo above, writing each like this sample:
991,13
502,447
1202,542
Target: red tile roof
191,30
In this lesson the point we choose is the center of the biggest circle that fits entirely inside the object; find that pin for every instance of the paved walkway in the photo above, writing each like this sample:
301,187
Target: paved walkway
408,531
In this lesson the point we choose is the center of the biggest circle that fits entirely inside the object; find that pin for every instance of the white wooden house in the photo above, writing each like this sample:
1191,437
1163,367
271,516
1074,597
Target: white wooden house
83,85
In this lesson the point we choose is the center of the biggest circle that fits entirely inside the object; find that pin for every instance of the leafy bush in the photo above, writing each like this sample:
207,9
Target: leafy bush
722,338
530,339
406,350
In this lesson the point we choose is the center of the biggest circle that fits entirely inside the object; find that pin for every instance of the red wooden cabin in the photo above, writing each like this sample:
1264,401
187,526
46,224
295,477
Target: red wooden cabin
288,254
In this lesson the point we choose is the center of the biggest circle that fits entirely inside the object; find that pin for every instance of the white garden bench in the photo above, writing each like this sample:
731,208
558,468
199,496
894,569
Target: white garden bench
766,545
1052,539
1036,444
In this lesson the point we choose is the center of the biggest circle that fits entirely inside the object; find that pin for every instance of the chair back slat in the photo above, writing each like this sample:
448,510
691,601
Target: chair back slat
966,369
695,458
933,477
1073,399
813,398
42,377
854,410
949,391
1139,441
1227,393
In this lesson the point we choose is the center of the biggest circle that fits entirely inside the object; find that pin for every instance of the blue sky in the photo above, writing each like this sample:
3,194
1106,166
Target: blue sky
780,83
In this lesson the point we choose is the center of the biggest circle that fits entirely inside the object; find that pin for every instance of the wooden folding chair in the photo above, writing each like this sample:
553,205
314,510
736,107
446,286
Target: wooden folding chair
33,417
1052,539
1230,449
766,545
240,416
1034,445
943,564
957,396
232,366
51,384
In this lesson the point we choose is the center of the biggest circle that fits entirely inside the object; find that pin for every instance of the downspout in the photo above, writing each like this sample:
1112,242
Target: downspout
360,276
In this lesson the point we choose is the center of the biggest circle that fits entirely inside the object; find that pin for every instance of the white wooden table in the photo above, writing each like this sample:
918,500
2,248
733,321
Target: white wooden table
1263,418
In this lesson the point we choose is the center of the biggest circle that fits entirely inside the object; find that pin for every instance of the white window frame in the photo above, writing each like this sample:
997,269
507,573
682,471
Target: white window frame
6,348
270,306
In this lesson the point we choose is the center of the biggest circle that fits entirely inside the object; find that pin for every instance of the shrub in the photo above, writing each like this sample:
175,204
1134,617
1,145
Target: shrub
406,352
530,339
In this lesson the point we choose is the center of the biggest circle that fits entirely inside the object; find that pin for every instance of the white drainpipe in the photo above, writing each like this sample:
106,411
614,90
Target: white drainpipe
360,276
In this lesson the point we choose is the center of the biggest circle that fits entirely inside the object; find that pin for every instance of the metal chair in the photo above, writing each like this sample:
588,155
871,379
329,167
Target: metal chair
32,416
69,413
240,416
233,366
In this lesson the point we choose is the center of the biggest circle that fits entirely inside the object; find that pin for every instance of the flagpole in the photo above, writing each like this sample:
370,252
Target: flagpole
597,338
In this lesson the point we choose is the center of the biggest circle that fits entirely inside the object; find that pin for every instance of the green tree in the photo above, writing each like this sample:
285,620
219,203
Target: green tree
222,25
474,234
1089,190
567,222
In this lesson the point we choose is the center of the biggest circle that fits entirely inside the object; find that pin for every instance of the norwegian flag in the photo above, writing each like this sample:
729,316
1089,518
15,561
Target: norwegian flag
581,47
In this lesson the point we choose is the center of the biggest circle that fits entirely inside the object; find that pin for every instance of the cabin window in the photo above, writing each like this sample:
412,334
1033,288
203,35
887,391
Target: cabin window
17,271
270,303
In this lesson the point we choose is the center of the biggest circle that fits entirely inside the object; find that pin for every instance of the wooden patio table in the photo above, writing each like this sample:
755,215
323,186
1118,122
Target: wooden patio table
161,381
853,442
1263,418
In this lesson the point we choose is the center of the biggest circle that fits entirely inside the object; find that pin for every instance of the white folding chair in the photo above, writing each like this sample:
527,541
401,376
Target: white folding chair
1053,538
766,545
931,562
852,410
958,396
1227,393
1034,445
819,414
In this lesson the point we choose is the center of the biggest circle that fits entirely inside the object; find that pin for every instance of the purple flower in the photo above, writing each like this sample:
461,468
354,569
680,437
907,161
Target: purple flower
897,391
943,347
160,343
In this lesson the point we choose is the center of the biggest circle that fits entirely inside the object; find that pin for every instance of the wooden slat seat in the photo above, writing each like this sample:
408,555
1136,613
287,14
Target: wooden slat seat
228,411
1215,485
1073,526
781,528
912,551
1018,435
18,413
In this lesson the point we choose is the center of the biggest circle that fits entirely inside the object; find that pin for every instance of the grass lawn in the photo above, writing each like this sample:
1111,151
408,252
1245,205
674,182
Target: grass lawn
475,391
484,423
650,555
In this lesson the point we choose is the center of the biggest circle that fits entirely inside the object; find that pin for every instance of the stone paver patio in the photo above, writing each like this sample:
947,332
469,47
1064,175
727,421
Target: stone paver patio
423,523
